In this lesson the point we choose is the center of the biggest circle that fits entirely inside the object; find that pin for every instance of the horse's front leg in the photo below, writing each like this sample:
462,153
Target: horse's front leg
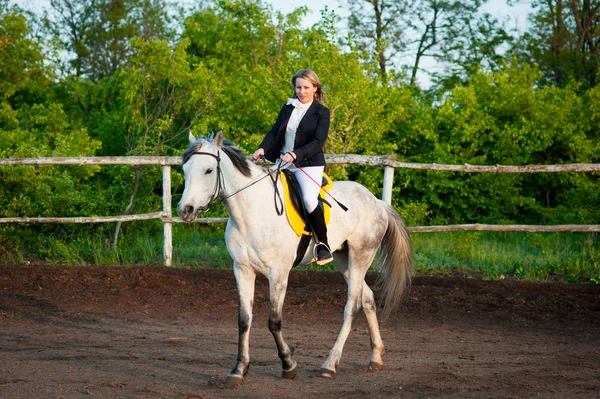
245,279
278,286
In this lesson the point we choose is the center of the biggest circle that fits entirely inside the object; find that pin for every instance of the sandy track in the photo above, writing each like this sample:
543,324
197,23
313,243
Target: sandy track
155,332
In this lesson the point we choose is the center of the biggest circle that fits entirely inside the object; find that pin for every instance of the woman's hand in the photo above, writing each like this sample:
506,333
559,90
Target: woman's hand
258,154
289,157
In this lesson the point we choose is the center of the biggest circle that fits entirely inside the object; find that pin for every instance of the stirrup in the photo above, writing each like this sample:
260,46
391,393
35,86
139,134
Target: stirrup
324,258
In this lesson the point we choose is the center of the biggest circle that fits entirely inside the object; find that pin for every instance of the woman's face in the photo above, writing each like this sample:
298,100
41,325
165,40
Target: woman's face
305,91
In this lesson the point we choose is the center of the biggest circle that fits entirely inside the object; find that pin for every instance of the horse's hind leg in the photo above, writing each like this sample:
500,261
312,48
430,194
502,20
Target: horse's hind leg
368,302
245,279
359,261
370,309
278,286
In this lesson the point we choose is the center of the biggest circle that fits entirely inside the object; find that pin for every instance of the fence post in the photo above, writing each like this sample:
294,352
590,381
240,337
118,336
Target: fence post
167,226
388,181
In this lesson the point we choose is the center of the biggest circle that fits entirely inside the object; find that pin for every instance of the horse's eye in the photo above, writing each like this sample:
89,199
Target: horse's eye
208,171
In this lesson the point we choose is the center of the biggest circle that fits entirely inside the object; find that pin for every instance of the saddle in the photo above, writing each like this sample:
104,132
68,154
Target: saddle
296,212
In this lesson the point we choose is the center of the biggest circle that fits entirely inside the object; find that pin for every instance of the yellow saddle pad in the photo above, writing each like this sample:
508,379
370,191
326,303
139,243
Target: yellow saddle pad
294,218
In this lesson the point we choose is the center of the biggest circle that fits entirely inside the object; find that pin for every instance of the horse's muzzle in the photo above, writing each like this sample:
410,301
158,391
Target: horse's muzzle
187,213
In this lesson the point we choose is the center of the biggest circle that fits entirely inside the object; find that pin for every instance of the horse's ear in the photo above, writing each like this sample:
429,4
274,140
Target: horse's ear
191,137
219,139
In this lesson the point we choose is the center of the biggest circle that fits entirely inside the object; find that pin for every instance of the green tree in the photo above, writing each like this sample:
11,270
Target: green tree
97,33
23,76
165,97
267,53
379,29
30,126
28,190
253,52
405,32
33,125
266,50
564,40
362,110
502,118
473,44
454,33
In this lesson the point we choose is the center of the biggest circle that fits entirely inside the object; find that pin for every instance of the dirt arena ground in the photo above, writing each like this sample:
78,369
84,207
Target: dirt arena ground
156,332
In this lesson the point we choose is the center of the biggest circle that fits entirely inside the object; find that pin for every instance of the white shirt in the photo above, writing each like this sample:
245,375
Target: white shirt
290,132
297,115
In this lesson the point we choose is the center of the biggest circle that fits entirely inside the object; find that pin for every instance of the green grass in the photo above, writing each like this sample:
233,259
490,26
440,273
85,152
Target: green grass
570,257
139,243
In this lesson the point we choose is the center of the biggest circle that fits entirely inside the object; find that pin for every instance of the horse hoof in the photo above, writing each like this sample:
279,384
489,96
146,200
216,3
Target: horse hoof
375,366
326,373
290,374
234,381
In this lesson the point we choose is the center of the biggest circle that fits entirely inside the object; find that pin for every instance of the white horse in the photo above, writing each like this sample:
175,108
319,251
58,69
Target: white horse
260,241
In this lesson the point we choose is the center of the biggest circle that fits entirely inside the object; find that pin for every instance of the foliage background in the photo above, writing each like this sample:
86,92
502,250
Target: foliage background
131,77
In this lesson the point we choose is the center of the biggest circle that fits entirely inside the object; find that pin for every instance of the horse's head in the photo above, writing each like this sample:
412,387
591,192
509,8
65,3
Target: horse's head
201,168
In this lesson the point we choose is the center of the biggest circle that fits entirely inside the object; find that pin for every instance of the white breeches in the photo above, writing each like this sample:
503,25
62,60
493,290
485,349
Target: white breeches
310,189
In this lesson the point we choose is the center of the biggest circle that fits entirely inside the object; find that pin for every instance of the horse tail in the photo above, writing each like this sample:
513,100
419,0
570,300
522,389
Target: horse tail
395,262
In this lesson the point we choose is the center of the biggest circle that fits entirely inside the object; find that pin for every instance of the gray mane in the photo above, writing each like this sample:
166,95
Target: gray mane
236,155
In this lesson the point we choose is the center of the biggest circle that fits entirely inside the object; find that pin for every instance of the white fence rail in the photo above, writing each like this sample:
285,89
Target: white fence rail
387,161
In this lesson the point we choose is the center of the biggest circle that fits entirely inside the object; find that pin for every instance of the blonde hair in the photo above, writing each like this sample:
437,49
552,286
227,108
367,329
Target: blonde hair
312,77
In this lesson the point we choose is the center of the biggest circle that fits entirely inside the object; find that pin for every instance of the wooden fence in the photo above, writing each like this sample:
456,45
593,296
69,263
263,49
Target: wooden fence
385,161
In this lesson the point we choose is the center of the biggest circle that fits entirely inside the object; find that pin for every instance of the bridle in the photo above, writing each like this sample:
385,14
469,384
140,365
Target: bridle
220,183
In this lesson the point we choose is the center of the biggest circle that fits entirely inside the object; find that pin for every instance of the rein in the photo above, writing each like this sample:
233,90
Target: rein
276,193
246,186
220,184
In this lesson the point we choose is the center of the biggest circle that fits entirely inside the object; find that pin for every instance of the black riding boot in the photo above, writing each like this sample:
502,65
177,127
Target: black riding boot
317,221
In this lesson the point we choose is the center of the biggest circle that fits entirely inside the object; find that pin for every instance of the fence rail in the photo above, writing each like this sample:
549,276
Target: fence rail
332,159
387,161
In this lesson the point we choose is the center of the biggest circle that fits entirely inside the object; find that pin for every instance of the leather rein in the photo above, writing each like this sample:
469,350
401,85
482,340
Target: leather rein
220,183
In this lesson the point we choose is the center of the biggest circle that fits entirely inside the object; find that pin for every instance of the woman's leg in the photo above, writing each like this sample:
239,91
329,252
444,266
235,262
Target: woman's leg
307,179
310,178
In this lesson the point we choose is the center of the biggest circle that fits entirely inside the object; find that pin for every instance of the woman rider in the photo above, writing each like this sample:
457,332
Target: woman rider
296,142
